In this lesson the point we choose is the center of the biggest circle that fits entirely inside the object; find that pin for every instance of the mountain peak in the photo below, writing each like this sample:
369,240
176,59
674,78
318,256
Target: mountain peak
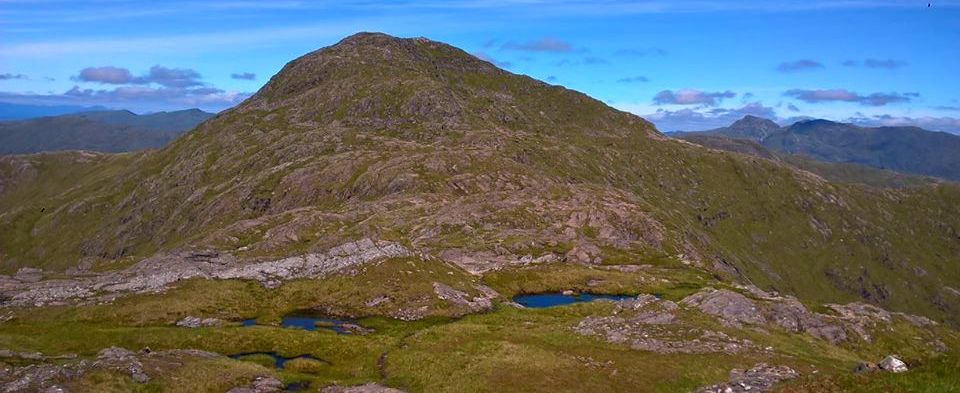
754,122
379,82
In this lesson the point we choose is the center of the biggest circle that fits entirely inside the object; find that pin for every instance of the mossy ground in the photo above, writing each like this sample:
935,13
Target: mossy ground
505,349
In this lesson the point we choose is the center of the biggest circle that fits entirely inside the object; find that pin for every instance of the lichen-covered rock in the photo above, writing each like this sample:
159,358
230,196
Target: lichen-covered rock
42,377
791,315
649,324
196,322
158,273
732,308
463,299
760,378
365,388
122,360
260,385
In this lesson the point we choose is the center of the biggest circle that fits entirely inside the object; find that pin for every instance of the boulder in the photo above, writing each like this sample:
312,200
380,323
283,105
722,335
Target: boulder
760,378
893,365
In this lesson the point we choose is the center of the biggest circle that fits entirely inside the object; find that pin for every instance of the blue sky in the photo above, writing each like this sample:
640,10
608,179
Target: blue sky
682,64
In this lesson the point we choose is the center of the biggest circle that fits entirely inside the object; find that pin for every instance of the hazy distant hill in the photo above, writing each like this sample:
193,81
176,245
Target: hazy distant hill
902,149
104,131
837,172
9,111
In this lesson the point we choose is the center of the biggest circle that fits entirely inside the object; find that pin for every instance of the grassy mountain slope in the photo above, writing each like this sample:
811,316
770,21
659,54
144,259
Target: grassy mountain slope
104,131
418,142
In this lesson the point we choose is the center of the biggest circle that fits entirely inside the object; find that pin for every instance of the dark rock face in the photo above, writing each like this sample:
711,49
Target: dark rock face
760,378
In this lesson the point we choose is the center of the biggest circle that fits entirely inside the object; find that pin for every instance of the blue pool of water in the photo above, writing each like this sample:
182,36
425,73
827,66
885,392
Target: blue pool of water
542,300
310,323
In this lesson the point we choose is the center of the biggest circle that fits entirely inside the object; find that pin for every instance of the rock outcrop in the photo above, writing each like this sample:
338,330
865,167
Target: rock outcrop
365,388
158,273
471,304
51,376
734,309
260,385
196,322
649,324
759,378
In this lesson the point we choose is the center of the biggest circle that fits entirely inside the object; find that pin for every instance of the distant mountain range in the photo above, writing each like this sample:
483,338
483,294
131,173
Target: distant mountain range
902,149
103,131
10,111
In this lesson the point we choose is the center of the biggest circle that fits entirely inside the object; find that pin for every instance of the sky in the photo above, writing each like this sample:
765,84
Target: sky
682,64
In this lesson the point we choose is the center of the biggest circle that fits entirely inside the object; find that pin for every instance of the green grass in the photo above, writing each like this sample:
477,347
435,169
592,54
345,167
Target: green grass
937,375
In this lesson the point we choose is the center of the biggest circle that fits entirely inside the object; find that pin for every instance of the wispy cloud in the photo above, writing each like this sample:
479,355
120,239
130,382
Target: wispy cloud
633,79
695,120
180,43
641,52
246,76
844,95
799,65
889,64
8,76
691,97
546,44
164,76
135,97
945,123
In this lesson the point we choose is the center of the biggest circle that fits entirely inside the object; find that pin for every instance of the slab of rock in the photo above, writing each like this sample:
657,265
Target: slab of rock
260,385
366,388
458,297
158,273
196,322
792,316
649,324
860,317
760,378
378,300
732,308
122,360
28,274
